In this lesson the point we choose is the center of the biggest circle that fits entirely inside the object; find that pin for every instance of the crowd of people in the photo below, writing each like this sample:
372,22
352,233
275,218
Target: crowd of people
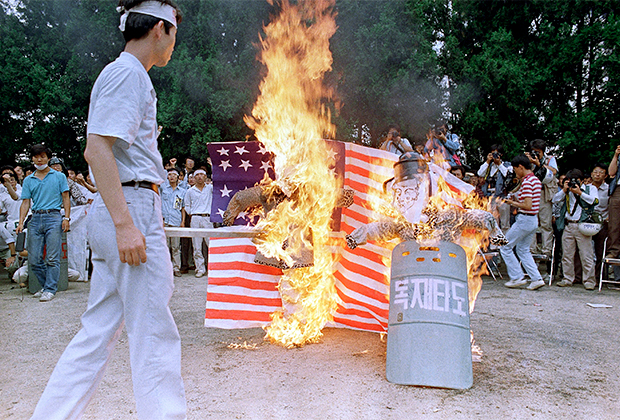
569,220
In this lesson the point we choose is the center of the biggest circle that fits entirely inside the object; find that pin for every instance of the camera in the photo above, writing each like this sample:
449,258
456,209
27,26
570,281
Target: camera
573,182
495,155
394,133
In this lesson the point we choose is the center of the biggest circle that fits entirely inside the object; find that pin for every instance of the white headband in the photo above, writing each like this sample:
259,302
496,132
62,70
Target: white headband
199,171
151,8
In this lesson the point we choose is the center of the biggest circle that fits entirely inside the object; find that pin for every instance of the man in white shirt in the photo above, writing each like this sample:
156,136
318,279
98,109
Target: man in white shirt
198,204
10,196
132,279
577,201
493,172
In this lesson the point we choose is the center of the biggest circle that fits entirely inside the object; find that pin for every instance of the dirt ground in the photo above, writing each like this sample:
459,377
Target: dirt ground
546,355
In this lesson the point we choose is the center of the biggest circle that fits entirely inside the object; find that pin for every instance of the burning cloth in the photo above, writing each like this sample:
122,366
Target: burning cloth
426,207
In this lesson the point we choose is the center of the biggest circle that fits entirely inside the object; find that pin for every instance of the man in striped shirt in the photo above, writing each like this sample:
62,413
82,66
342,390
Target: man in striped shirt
521,233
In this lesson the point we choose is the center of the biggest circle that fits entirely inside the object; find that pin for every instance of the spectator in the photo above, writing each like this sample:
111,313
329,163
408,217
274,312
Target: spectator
48,191
189,164
198,206
8,254
613,243
418,144
19,171
493,172
394,143
87,184
75,194
545,168
442,146
558,232
10,196
578,201
522,232
172,196
458,171
598,176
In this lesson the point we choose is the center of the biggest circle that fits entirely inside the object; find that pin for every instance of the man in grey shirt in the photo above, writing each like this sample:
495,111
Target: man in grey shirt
132,273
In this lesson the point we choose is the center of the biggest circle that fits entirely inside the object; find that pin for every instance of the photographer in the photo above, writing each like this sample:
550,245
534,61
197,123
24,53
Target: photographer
493,172
578,201
444,144
545,169
394,143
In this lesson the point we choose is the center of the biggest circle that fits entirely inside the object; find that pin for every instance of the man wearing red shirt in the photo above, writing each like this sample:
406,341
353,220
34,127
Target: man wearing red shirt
521,233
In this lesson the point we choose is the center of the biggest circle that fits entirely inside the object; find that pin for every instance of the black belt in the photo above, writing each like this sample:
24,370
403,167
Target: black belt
570,221
46,211
202,214
142,184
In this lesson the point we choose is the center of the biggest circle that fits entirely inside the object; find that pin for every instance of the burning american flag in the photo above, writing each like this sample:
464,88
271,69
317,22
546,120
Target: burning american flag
243,294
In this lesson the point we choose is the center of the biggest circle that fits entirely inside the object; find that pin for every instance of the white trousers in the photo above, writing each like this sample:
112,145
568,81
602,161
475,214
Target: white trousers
199,258
136,297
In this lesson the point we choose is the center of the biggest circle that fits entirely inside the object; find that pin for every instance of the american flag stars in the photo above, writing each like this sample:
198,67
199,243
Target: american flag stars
236,166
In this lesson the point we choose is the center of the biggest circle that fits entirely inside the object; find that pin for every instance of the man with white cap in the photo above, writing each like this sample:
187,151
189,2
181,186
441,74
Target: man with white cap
132,279
198,204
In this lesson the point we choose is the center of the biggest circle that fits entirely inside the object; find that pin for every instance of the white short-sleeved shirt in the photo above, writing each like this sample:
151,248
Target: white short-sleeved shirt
123,104
199,202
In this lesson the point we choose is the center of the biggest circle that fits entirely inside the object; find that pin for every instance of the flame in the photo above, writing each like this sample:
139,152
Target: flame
290,119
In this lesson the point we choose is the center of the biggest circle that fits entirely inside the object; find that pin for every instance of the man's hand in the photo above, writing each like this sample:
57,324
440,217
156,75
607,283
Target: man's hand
534,159
617,152
9,261
20,227
131,245
489,158
65,225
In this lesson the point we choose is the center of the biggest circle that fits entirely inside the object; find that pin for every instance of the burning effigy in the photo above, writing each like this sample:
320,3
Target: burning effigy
423,210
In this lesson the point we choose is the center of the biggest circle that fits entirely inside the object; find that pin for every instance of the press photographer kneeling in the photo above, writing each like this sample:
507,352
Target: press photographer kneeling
578,203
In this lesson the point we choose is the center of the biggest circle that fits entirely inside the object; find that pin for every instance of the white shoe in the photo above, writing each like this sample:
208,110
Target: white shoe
46,297
513,284
536,285
199,274
38,294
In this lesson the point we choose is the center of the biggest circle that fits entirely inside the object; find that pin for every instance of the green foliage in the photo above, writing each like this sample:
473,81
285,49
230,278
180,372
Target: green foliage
502,71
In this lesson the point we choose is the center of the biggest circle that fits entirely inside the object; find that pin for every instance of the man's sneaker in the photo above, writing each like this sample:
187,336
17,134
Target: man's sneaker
199,274
177,273
564,283
536,285
38,294
589,285
513,284
46,297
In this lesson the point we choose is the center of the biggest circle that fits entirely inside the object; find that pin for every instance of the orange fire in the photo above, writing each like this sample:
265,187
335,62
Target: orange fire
290,119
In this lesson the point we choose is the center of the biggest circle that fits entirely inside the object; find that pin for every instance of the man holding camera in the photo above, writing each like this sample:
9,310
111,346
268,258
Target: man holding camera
444,145
578,201
394,143
545,169
493,173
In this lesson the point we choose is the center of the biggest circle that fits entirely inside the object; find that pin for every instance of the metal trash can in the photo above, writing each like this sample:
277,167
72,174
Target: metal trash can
429,340
63,282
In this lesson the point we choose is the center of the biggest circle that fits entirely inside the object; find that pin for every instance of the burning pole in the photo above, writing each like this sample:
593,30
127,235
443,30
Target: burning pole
290,119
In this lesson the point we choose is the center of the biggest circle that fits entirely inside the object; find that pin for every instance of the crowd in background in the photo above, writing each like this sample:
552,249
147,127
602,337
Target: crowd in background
577,210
